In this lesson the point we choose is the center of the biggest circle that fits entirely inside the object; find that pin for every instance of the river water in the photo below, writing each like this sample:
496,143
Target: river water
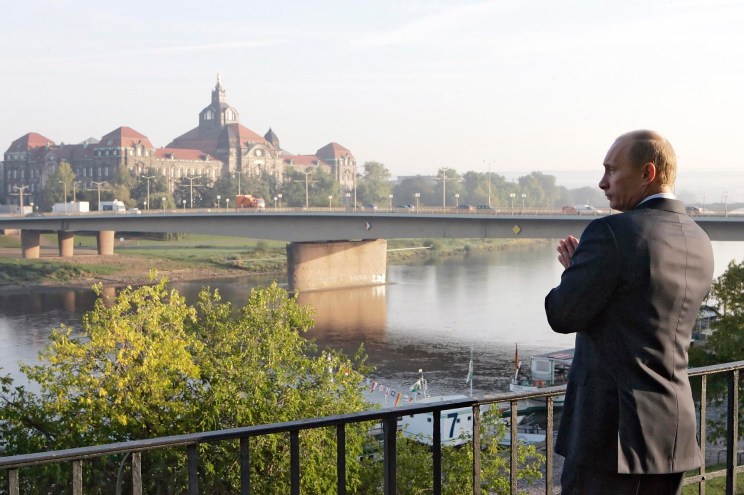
428,317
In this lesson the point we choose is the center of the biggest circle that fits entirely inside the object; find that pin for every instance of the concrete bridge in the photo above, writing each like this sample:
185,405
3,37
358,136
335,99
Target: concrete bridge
327,248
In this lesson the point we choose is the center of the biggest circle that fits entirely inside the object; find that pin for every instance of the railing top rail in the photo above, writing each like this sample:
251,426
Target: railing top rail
12,462
716,368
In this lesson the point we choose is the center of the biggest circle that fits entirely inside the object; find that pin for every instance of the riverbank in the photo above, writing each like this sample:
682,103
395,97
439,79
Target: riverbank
193,258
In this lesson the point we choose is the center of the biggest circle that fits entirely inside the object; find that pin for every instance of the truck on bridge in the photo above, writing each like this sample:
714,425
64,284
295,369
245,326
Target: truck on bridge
71,207
249,201
114,205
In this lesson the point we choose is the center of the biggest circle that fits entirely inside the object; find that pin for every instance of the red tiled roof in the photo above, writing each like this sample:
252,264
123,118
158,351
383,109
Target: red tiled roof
333,150
30,141
301,160
181,154
124,137
243,134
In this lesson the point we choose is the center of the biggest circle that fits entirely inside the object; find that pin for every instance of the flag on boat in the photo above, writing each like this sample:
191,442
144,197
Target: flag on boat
469,379
416,386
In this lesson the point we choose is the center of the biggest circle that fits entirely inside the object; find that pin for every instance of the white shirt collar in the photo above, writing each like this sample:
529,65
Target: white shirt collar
665,195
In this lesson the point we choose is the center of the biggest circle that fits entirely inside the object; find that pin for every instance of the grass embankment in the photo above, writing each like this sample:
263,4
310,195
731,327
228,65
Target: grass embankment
716,486
194,257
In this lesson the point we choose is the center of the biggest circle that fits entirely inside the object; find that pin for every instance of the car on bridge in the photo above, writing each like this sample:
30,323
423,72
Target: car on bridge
580,210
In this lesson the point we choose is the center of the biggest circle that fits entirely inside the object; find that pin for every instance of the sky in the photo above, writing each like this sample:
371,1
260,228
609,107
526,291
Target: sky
513,86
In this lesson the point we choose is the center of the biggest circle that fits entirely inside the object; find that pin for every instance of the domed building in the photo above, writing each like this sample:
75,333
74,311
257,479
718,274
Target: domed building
218,147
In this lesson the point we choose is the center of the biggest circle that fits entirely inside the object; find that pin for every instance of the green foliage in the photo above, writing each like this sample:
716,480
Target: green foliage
147,364
415,464
726,344
374,187
61,181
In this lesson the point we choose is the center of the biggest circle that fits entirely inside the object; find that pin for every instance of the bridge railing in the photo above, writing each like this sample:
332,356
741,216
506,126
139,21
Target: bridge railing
389,419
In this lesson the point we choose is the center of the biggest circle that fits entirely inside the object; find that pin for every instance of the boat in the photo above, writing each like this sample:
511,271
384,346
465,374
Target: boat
544,370
456,425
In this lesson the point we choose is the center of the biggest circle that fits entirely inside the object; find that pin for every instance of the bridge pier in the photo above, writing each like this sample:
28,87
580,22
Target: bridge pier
30,247
105,240
332,265
66,243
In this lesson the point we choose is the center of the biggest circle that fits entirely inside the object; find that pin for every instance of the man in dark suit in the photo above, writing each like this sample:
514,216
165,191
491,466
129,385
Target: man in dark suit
631,290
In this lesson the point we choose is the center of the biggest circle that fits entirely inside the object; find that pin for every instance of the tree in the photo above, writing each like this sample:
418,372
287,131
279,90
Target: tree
448,184
726,344
147,364
374,186
59,182
405,192
415,463
157,186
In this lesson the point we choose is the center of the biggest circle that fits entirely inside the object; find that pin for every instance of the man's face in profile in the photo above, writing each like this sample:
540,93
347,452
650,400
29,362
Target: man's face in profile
623,183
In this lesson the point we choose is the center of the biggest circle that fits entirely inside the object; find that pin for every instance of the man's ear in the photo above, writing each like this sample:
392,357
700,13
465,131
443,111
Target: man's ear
649,172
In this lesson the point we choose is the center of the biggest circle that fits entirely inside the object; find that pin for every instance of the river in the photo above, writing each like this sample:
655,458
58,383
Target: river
427,317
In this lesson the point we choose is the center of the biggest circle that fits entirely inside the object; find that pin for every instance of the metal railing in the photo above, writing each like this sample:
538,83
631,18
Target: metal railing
389,420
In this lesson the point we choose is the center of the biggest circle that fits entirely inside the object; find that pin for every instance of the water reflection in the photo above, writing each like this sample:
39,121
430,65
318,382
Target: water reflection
428,317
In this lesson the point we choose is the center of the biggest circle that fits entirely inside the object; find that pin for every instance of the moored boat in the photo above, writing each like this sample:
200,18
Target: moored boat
544,370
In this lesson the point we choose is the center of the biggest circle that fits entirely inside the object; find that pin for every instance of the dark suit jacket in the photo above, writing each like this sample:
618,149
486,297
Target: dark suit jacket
631,294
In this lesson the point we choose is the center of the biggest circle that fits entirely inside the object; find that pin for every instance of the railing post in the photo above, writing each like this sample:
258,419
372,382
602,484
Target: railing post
732,431
513,446
193,467
389,432
341,458
294,461
703,426
77,477
13,482
245,466
476,451
136,473
436,452
549,447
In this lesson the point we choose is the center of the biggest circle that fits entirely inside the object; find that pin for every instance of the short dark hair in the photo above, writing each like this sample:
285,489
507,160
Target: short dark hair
649,146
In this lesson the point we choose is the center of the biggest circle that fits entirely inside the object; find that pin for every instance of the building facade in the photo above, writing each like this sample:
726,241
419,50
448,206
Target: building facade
220,146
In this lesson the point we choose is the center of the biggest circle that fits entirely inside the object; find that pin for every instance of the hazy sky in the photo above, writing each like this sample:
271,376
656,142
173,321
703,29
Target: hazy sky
525,85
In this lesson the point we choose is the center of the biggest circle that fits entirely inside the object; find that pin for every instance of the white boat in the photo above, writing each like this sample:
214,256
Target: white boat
545,370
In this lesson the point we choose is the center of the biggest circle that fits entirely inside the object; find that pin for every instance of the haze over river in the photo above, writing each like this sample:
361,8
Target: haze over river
427,317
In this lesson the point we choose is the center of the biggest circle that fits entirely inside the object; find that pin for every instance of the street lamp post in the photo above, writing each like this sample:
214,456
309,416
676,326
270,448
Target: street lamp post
191,190
184,204
238,173
330,199
279,197
98,186
417,196
457,200
489,182
20,194
275,200
307,202
64,184
390,197
147,178
348,199
218,201
511,197
444,186
74,191
227,203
